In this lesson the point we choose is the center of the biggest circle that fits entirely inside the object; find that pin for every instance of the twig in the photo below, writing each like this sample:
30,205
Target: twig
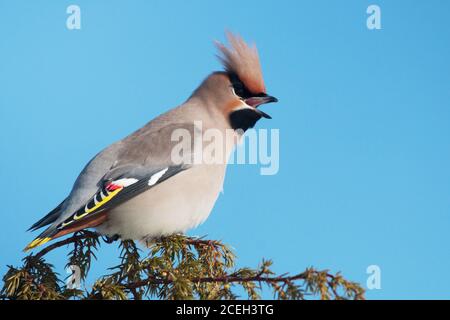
225,279
74,238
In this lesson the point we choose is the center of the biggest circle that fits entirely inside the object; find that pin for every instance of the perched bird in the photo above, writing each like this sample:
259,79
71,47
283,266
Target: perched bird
134,189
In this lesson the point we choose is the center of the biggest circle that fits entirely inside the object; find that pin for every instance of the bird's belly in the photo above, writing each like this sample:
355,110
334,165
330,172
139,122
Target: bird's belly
176,205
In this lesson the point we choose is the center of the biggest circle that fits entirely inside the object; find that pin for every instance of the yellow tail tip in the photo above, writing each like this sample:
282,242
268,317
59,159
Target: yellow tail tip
36,242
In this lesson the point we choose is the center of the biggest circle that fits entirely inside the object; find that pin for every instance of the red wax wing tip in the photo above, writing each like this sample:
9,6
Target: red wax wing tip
112,187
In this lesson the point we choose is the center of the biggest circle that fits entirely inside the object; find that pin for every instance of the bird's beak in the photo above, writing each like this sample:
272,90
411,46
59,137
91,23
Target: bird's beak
255,102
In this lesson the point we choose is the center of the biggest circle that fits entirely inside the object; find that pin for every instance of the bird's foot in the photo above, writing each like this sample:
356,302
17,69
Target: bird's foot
111,239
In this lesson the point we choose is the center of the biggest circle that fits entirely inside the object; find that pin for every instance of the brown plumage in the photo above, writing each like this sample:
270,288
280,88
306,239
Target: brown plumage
243,60
90,222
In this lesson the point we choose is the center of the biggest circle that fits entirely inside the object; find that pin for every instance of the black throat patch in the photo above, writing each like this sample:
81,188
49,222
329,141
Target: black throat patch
243,119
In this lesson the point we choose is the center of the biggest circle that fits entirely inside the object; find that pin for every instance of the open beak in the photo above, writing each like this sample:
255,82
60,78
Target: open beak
255,102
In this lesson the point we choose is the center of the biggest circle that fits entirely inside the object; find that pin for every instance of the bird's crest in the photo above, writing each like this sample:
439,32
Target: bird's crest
242,60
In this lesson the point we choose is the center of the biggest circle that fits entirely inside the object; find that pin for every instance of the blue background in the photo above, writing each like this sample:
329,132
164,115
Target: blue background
363,117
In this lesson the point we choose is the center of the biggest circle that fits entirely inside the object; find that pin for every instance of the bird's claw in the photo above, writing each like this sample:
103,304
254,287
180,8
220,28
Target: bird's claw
111,239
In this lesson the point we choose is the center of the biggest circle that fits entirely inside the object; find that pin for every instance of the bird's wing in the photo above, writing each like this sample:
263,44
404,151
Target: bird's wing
120,190
112,194
143,161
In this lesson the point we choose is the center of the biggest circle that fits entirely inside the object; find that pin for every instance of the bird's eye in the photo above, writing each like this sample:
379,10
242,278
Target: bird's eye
238,87
234,92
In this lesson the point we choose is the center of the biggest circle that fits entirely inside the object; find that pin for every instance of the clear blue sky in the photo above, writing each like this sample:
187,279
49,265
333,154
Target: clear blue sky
364,119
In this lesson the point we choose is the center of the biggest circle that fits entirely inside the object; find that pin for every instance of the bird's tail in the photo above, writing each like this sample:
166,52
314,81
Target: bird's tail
43,238
54,232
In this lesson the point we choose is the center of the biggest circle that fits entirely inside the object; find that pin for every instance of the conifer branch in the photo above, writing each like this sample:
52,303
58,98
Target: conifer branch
175,267
75,238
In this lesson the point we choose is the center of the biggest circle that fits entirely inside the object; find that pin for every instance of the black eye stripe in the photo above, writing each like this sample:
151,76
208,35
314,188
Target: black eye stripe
239,88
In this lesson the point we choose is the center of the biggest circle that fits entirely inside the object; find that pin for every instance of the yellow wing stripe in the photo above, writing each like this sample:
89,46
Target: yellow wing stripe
40,241
98,205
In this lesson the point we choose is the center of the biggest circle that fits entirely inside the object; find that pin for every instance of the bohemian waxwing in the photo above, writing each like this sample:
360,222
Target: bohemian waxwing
134,189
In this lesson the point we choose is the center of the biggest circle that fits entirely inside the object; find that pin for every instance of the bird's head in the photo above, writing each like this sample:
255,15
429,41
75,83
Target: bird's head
239,90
